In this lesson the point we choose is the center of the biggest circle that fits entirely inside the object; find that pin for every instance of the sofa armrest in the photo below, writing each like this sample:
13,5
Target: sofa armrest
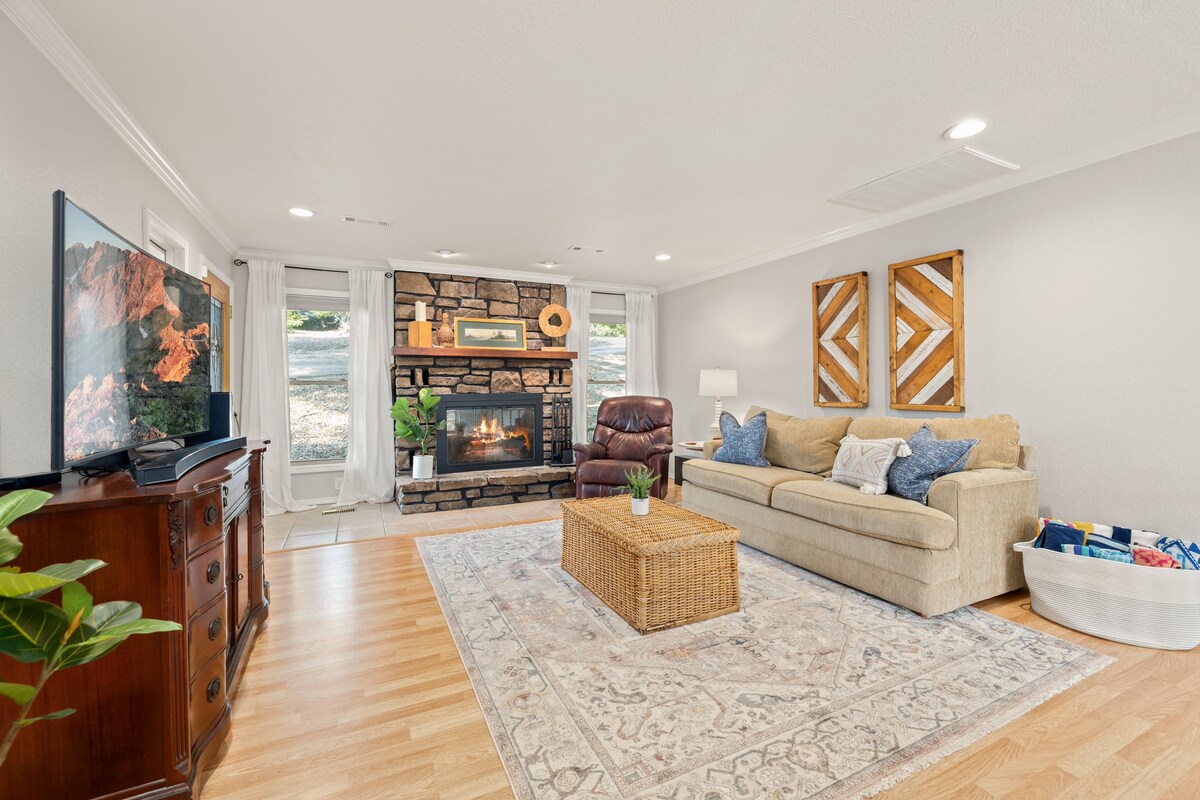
994,509
1028,458
711,447
658,460
588,451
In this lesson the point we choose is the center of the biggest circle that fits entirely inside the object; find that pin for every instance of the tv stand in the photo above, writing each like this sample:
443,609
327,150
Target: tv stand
152,716
171,466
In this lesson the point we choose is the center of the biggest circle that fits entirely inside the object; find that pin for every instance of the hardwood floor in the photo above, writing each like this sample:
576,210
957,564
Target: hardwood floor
355,690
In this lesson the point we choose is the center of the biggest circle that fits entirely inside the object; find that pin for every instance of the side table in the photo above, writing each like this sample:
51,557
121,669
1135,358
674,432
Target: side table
682,454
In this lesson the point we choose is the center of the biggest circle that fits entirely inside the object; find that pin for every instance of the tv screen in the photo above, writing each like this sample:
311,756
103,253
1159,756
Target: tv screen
131,343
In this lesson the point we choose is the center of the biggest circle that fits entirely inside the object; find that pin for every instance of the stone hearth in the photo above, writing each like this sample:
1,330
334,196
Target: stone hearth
484,488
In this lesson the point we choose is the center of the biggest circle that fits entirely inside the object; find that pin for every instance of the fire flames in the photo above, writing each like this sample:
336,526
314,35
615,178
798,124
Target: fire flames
490,431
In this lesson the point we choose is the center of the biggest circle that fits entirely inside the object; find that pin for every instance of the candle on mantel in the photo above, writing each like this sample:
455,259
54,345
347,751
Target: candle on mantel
420,311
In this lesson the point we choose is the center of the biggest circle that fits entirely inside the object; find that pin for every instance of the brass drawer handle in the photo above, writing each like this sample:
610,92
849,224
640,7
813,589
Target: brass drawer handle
214,629
214,689
210,514
214,571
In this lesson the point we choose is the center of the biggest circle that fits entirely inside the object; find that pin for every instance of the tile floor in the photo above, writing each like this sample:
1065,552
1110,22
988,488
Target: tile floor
377,521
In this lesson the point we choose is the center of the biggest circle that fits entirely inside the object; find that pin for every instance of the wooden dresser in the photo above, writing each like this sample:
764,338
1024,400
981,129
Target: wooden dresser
152,715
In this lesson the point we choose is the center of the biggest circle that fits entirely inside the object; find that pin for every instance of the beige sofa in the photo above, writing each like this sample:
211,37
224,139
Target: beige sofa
931,558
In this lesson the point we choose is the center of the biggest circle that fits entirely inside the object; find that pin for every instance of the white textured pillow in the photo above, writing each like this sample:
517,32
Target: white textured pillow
865,462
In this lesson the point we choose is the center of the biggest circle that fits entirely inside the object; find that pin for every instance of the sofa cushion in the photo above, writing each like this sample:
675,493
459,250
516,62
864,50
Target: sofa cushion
809,444
880,516
737,480
999,435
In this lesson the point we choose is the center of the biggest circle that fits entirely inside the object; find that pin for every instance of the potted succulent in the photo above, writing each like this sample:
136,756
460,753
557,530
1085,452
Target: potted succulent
416,421
639,482
70,633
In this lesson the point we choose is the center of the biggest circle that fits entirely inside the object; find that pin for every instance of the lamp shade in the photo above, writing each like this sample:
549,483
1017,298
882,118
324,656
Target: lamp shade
718,383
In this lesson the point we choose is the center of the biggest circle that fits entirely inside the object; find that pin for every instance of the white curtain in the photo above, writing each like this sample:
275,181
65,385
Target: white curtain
579,303
641,326
370,459
265,381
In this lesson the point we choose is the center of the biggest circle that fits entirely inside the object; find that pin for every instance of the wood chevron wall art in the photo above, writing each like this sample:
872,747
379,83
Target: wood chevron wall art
925,309
840,342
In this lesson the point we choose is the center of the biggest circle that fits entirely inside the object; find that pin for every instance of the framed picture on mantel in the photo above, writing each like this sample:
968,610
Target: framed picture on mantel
840,342
498,334
925,311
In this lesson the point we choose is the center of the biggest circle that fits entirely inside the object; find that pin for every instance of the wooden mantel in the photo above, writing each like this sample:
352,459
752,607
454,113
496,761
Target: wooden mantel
484,352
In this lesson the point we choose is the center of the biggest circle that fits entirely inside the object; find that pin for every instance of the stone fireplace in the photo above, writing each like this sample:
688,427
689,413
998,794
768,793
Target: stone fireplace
498,405
492,431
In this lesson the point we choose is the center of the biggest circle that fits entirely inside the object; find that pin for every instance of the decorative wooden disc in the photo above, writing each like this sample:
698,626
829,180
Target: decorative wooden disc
548,327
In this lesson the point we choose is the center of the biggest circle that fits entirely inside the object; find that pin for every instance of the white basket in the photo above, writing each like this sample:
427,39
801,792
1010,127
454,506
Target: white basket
1144,606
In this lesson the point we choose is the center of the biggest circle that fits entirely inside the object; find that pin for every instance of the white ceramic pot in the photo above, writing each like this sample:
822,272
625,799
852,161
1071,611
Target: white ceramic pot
422,467
640,507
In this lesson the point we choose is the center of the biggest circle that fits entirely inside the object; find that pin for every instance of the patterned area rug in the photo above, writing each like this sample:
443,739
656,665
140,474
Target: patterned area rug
813,690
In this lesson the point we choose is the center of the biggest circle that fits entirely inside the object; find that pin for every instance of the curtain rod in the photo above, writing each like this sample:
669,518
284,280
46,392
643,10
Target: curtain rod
241,262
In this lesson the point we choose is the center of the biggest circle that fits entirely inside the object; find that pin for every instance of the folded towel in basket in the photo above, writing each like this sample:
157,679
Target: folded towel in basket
1149,557
1097,552
1185,552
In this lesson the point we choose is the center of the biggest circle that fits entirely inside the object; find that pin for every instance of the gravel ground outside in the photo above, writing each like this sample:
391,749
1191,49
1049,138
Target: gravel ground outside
319,411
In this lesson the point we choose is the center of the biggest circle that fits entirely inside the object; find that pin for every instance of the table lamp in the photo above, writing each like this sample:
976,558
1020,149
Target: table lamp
718,383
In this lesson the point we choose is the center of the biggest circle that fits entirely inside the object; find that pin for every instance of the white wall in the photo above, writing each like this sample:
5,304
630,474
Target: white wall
50,138
1082,318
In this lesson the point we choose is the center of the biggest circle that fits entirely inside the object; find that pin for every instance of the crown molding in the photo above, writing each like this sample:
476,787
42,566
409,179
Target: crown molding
309,260
468,271
1145,137
33,20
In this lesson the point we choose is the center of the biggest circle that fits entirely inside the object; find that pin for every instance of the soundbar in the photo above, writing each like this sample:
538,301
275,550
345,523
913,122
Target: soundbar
31,481
172,466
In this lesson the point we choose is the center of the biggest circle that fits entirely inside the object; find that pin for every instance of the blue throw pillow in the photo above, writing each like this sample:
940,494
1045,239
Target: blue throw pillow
931,459
743,444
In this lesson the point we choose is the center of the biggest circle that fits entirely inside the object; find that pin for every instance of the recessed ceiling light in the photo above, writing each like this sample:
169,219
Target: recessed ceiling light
966,129
548,264
444,253
300,212
662,257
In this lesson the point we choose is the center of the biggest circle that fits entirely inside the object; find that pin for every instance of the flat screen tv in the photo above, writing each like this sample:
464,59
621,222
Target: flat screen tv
131,344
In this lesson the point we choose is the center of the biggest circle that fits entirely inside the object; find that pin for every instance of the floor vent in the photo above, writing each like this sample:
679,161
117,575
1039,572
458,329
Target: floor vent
938,176
365,221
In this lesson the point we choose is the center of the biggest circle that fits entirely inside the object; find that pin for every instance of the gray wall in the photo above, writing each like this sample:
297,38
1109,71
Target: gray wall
50,138
1082,295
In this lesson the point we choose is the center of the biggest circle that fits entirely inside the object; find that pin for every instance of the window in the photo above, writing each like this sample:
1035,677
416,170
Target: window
318,371
163,242
606,364
220,331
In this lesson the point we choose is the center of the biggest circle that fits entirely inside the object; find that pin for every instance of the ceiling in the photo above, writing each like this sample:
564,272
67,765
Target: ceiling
508,131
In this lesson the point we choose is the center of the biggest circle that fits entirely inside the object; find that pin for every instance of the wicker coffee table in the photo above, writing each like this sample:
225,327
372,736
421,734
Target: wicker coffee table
671,567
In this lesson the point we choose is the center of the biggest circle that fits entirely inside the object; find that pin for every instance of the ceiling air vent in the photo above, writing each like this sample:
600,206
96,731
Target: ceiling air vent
364,221
583,248
938,176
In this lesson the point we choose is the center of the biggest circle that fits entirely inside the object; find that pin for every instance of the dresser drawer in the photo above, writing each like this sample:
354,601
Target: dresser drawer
205,519
235,490
207,700
208,633
206,577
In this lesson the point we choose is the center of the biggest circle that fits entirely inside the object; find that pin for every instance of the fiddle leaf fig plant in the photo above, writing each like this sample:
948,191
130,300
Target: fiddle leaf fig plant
70,634
416,420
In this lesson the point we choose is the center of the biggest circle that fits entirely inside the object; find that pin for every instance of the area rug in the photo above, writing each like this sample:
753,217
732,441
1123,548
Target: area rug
812,690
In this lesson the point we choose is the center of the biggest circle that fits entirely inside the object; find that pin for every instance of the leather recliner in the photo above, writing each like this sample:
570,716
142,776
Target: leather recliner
631,432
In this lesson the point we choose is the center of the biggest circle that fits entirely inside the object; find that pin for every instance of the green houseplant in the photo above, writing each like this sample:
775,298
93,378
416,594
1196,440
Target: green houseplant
62,636
639,482
416,420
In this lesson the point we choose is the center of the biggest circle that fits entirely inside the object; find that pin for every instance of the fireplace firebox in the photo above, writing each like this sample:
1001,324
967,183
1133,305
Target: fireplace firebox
489,431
